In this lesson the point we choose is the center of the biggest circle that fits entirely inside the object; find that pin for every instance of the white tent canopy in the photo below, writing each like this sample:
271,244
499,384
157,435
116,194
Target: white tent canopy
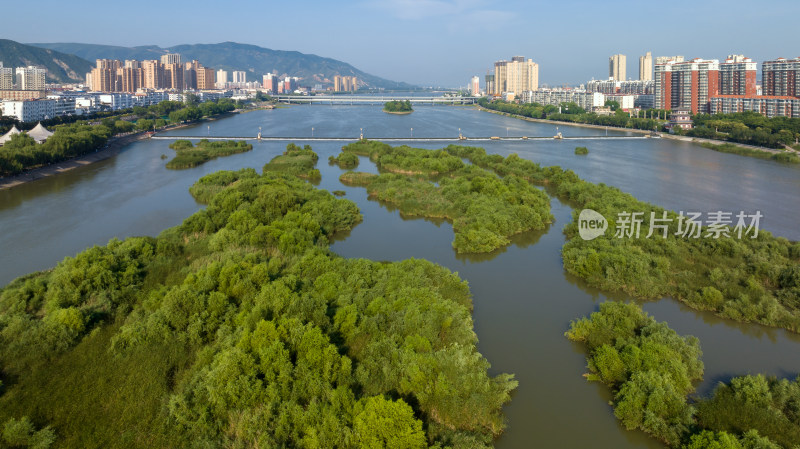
39,133
7,136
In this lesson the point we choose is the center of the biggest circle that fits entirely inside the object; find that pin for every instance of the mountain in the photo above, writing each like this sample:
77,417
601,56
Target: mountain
255,60
61,67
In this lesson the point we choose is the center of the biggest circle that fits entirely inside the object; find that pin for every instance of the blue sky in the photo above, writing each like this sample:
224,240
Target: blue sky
439,42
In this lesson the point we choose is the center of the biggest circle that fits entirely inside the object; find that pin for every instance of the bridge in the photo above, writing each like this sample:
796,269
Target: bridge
370,100
400,139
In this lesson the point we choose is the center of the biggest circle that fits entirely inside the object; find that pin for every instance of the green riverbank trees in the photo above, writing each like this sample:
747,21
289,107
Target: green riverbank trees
80,138
785,156
239,327
747,127
574,114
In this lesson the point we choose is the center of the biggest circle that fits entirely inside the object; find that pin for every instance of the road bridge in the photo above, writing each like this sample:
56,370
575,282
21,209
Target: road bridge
399,139
353,100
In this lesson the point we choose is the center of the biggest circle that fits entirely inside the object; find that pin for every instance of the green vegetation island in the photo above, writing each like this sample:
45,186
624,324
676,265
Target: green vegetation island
344,160
188,155
485,210
296,161
581,151
240,327
651,371
398,107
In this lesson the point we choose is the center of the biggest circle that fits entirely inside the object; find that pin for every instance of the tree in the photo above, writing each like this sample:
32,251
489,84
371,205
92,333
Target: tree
381,423
22,433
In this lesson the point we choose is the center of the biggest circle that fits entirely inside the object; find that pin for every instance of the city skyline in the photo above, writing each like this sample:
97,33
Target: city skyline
445,42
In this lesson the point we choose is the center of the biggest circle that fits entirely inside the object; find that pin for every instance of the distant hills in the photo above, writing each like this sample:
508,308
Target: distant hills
61,67
255,60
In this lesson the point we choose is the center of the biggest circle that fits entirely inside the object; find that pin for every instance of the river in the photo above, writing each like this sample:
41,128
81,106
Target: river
523,299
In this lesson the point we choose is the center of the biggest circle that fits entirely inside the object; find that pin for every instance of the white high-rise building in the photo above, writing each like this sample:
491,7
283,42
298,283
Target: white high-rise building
239,76
6,77
170,58
222,78
475,86
31,78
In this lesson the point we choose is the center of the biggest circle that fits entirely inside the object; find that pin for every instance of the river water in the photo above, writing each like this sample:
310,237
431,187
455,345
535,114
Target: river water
523,299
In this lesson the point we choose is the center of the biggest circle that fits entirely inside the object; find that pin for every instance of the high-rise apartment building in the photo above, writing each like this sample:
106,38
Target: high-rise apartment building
239,77
6,77
475,86
515,76
270,83
222,78
173,75
153,72
171,58
345,83
129,79
31,78
781,77
737,76
206,80
646,67
686,85
489,79
617,66
190,74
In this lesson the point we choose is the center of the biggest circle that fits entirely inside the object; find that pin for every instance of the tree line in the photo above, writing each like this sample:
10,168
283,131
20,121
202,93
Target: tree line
571,112
749,127
81,137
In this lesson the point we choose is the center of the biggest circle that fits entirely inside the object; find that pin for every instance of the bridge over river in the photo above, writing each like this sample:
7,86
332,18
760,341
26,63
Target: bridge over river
401,139
353,100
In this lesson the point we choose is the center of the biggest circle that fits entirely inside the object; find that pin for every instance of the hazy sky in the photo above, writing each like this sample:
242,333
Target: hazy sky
438,42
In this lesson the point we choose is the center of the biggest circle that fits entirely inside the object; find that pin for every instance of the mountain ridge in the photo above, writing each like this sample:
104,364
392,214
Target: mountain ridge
253,59
61,67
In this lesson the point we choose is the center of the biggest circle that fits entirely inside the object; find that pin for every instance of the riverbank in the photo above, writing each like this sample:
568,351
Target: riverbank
701,141
398,112
559,122
112,148
115,144
696,140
